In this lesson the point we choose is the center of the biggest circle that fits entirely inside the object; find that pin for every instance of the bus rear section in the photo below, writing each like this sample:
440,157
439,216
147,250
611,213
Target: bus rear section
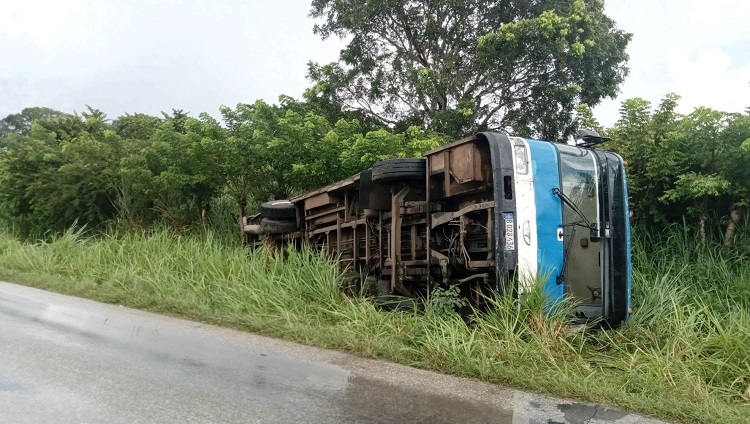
486,213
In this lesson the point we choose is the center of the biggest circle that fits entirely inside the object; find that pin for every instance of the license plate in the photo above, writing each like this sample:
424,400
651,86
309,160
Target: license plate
510,231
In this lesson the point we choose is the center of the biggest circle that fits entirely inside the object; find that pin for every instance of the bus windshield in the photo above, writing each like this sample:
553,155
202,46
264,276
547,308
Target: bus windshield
582,268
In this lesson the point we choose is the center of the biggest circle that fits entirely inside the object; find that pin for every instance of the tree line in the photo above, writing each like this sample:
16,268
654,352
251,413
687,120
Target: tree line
692,168
414,74
57,169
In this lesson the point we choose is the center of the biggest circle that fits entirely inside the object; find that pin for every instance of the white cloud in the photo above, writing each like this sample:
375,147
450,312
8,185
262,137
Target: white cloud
698,49
43,21
710,78
152,55
714,22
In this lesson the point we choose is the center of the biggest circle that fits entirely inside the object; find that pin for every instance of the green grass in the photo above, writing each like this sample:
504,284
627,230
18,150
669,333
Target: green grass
684,356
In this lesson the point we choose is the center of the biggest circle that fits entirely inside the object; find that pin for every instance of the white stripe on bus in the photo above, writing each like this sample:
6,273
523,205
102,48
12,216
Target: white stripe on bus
525,222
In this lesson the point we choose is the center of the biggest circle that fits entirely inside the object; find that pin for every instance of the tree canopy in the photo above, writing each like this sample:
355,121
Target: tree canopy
459,66
144,169
20,123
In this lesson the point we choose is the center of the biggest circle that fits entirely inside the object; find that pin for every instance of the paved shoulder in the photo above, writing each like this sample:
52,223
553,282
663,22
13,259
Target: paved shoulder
70,360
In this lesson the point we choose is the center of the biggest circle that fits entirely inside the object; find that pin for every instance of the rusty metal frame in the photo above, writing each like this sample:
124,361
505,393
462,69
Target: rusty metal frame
335,211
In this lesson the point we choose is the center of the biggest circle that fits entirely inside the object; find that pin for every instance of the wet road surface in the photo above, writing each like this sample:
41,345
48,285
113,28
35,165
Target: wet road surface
70,360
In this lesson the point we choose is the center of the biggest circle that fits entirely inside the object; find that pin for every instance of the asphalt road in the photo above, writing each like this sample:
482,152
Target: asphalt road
70,360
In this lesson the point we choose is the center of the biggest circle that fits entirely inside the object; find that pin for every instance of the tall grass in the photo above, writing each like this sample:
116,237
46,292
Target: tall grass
685,354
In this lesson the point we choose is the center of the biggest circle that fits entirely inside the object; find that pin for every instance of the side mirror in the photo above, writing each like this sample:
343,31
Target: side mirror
590,138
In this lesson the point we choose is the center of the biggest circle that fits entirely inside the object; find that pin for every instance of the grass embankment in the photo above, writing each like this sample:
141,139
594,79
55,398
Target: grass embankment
684,356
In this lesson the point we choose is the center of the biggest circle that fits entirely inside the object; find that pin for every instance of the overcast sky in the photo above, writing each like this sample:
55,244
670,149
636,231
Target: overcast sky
153,55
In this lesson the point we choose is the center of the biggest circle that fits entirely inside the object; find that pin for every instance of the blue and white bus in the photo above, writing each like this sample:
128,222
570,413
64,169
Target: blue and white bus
484,213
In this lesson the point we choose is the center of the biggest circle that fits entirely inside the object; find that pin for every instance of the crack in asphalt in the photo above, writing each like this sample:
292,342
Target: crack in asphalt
596,409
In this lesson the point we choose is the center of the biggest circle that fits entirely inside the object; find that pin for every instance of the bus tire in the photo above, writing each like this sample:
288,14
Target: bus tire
279,209
278,226
399,169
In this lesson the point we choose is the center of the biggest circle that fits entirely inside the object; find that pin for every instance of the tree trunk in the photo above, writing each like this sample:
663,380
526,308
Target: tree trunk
205,209
243,209
735,212
702,218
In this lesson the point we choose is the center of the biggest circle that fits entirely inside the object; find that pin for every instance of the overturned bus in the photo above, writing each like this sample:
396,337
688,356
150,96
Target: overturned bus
487,213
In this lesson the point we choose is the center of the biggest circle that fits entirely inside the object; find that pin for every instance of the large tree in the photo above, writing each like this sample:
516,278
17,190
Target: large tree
458,66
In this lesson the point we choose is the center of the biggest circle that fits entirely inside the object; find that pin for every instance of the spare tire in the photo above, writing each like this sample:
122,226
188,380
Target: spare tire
281,209
278,226
399,169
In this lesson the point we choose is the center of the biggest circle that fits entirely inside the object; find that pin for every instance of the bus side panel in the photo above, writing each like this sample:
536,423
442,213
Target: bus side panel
621,259
629,263
544,166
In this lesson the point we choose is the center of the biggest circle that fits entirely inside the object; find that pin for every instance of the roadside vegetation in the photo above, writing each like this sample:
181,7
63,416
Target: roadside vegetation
683,356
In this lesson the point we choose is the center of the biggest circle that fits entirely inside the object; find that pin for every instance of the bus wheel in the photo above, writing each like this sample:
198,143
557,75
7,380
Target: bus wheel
280,209
398,169
278,226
